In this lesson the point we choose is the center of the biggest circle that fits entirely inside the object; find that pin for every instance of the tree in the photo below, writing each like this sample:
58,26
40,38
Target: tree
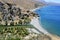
12,23
6,23
27,20
20,21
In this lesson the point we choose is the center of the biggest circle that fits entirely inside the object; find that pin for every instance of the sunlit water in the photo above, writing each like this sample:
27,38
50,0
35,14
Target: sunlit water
50,18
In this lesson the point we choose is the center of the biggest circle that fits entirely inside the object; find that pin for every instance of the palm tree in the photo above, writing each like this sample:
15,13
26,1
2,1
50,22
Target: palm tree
20,21
27,20
12,23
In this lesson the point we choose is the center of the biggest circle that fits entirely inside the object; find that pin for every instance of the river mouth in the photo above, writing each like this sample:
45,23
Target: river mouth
50,18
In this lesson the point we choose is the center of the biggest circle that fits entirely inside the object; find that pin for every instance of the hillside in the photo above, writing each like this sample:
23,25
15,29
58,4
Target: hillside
10,14
27,4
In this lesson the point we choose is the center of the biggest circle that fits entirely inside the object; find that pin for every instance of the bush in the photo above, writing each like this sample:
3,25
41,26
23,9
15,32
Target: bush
20,21
14,39
12,23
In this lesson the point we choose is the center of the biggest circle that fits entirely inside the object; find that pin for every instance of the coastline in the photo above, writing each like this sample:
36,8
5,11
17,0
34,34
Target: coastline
34,9
36,24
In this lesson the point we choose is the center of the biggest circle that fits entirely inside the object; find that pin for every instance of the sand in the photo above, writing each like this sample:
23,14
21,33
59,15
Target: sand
54,37
35,22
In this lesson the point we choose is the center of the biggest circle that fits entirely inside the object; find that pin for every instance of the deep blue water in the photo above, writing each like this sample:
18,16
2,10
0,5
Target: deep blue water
50,18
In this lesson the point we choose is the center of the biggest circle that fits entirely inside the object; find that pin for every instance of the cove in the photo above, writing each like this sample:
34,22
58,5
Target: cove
50,18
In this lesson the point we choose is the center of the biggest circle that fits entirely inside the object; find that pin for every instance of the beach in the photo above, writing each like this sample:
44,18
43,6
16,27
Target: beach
36,23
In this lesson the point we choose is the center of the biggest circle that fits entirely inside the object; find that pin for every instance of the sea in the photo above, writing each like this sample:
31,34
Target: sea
49,16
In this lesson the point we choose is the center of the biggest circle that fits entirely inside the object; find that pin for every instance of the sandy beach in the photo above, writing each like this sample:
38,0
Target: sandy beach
36,24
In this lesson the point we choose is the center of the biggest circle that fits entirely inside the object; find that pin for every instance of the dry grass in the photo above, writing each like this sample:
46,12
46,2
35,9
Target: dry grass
27,4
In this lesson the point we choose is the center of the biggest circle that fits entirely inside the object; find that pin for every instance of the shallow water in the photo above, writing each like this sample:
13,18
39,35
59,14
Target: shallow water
50,18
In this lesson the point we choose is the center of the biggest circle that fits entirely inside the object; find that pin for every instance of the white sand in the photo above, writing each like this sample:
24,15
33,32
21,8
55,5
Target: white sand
35,22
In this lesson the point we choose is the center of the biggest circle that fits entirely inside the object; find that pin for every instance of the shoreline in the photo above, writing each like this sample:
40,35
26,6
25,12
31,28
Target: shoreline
37,25
53,37
34,9
35,22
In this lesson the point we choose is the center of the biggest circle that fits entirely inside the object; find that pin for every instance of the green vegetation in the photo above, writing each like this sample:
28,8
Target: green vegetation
14,23
27,20
10,14
14,32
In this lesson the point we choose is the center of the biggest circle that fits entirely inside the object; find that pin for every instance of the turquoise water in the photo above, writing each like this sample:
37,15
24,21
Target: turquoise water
50,18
